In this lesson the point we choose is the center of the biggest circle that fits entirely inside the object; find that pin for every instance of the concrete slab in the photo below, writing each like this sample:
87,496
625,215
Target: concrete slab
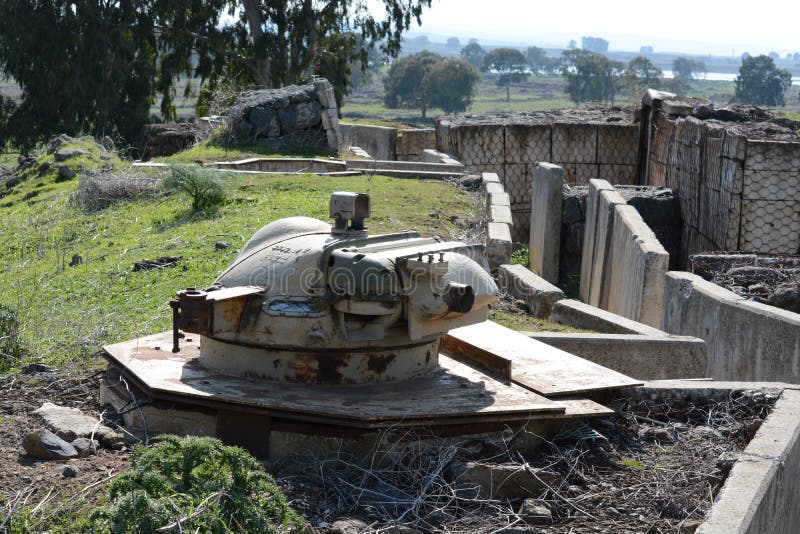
498,244
539,294
545,220
581,315
589,241
639,356
635,282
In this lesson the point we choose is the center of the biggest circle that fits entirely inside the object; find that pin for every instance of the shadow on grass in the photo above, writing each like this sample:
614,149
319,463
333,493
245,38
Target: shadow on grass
185,216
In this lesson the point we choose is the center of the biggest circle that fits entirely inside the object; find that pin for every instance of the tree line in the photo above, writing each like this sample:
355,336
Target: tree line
96,66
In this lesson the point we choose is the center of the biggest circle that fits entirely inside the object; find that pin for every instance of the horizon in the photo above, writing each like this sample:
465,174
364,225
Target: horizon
699,28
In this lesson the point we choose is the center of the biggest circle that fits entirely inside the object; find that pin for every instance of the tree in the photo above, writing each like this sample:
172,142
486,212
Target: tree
761,83
598,45
451,84
590,76
407,81
642,74
684,70
453,42
687,68
95,66
84,67
537,58
509,64
474,54
426,79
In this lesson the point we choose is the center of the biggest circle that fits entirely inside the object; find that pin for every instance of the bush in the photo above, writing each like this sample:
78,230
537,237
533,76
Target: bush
11,349
102,189
205,187
194,484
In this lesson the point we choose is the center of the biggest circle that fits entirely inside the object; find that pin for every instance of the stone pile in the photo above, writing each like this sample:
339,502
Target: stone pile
292,118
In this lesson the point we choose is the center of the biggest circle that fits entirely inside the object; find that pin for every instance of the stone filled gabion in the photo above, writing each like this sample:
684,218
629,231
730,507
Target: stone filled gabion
285,119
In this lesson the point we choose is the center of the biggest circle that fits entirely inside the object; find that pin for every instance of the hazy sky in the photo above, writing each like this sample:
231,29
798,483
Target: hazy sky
697,26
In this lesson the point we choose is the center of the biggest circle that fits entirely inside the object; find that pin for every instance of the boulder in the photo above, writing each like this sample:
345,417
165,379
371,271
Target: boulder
67,423
786,296
535,512
169,138
85,446
65,172
505,481
45,445
54,143
63,154
348,526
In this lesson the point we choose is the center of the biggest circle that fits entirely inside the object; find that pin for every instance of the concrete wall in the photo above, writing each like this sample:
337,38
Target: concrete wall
746,340
597,241
645,357
545,225
737,193
761,492
411,143
637,269
380,142
513,145
623,264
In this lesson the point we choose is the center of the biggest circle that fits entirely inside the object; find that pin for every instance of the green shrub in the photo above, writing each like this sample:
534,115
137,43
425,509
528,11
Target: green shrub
205,187
194,484
11,349
521,256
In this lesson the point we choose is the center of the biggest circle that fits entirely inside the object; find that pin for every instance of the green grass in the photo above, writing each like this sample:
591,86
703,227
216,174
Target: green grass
42,178
636,465
528,323
212,150
67,313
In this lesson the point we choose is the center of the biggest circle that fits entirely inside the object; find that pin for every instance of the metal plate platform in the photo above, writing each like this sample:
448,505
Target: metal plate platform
455,394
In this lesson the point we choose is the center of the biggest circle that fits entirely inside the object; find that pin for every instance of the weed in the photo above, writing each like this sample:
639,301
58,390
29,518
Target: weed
205,187
194,484
11,349
636,465
521,256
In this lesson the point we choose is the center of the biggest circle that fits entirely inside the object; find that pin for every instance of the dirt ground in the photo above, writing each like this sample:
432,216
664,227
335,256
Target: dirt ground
654,467
25,482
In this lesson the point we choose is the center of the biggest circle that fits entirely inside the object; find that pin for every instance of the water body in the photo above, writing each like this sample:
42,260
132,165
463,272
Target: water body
722,76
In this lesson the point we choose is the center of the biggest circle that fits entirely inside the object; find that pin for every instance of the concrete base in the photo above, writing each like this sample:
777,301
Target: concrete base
143,417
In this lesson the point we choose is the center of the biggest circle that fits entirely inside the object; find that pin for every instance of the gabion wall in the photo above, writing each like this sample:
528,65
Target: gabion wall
596,143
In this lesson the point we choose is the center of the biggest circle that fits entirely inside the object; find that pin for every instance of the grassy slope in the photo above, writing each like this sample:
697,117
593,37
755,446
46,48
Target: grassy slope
68,312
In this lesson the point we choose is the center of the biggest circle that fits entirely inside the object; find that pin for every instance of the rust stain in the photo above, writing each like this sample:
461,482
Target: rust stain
318,368
232,312
378,363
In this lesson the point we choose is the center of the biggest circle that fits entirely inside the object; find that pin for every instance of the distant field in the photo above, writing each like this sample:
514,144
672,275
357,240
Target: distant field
536,94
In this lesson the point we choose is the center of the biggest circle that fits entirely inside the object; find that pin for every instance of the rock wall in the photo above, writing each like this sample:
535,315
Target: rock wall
736,171
292,118
169,138
587,144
